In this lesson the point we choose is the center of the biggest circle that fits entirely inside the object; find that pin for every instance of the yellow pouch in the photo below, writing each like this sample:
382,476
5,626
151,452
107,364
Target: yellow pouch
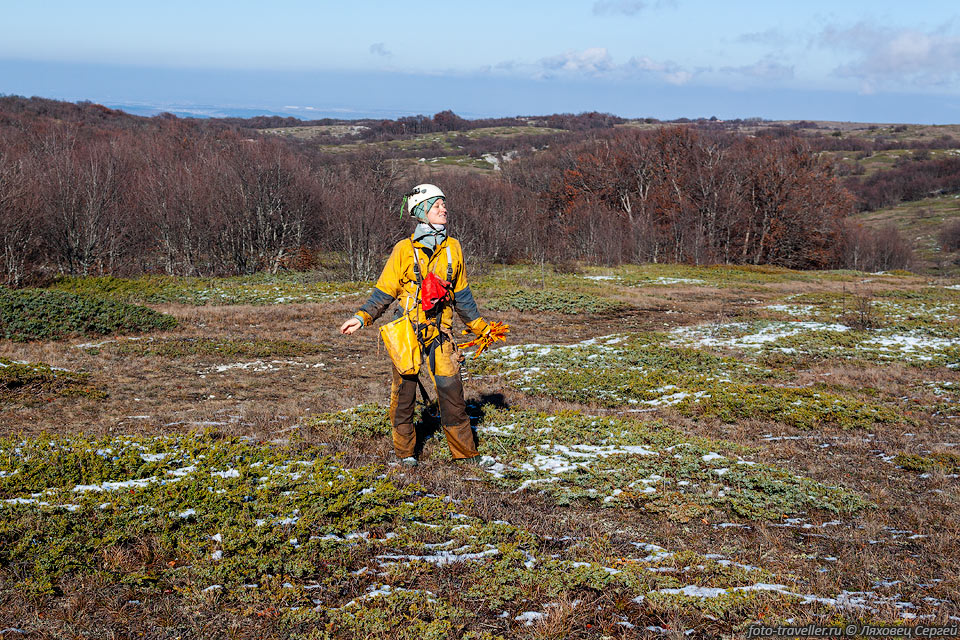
400,339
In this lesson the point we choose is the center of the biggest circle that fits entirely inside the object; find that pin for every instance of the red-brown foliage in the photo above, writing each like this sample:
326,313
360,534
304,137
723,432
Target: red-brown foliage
673,195
89,191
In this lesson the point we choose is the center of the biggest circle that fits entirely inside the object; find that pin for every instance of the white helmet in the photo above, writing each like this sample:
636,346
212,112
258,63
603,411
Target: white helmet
421,193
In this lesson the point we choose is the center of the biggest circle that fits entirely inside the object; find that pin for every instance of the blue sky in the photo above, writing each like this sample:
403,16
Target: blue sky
879,61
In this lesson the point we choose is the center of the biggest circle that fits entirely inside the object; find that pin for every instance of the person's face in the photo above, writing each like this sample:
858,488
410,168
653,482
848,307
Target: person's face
438,212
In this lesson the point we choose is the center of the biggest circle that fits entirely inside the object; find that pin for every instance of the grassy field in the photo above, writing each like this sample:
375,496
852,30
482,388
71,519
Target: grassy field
920,222
445,148
673,452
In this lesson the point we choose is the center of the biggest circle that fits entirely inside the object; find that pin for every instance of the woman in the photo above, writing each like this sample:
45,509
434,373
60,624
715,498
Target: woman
426,274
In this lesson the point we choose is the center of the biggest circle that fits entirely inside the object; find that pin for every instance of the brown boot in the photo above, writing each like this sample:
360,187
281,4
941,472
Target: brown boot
461,442
404,440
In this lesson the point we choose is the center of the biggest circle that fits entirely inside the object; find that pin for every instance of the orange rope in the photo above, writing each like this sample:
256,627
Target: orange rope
497,333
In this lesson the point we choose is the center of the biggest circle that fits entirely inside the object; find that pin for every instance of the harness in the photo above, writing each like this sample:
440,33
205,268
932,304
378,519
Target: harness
421,329
419,276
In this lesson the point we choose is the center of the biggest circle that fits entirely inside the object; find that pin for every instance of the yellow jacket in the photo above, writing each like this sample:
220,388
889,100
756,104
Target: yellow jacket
398,281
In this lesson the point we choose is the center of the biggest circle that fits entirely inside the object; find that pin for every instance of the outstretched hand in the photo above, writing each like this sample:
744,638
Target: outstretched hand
350,326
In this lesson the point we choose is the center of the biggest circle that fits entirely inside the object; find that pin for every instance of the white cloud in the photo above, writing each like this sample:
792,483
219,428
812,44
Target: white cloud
668,71
884,57
593,61
766,69
380,49
596,62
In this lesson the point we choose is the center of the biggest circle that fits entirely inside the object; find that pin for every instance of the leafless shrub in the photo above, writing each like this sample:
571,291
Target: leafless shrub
18,230
868,249
949,236
861,315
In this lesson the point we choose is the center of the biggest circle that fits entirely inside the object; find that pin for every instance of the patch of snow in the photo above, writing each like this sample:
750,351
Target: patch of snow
442,558
705,335
259,366
601,278
530,617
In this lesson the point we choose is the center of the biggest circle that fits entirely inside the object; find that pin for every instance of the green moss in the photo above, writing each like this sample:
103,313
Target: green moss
23,379
462,161
730,605
399,613
178,491
648,466
445,140
508,280
219,347
804,408
327,551
553,300
37,314
942,461
725,275
367,420
641,370
258,289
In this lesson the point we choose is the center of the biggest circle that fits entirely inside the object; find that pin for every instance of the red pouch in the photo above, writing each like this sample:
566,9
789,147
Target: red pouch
432,290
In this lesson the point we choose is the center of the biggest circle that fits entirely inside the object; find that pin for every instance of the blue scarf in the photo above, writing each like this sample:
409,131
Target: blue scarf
430,236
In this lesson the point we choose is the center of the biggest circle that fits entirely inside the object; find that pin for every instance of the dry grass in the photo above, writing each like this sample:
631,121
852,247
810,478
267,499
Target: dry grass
155,395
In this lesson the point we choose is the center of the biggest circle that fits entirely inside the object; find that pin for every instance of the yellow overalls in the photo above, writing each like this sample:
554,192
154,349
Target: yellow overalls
399,282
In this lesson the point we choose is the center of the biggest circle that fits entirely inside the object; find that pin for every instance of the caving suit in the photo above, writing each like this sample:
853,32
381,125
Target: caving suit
399,281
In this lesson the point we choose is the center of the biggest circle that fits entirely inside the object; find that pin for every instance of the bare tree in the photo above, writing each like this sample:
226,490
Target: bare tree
17,230
82,202
266,196
175,191
362,208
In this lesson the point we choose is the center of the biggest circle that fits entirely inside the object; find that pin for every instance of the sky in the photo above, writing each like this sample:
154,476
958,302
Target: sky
849,60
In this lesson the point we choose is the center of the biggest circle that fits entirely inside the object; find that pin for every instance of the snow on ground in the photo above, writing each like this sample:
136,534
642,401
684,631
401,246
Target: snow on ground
664,280
568,458
601,277
529,617
793,309
884,344
32,364
258,366
383,590
854,602
441,558
259,294
894,310
746,335
910,344
97,345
